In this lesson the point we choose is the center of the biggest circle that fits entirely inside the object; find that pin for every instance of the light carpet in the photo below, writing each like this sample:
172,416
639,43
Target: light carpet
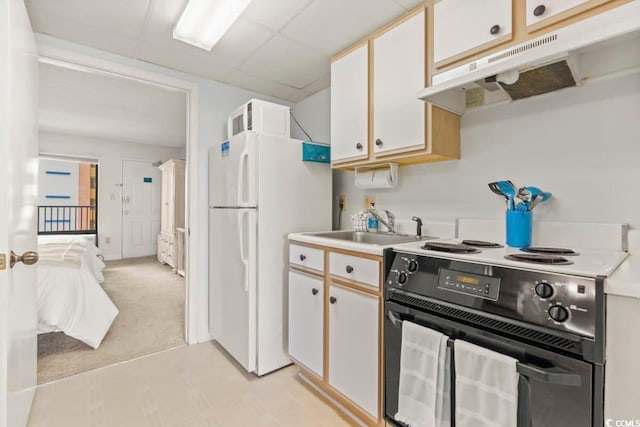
151,302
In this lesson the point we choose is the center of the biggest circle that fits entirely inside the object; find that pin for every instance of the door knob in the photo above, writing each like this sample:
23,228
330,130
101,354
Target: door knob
27,258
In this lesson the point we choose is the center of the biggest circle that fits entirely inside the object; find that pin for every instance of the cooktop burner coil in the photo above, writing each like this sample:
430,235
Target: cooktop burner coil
549,251
450,247
482,244
539,259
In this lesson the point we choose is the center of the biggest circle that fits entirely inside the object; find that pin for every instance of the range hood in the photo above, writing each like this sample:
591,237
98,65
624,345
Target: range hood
605,45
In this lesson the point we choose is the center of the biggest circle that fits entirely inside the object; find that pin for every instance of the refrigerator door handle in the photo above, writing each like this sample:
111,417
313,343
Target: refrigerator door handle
243,257
241,174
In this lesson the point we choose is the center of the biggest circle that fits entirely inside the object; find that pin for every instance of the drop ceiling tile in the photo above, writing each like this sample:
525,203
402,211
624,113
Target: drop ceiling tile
193,61
274,14
284,61
80,32
266,87
409,4
333,25
322,83
123,17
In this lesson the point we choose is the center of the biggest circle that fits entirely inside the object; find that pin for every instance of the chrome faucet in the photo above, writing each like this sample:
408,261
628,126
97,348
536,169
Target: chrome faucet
390,223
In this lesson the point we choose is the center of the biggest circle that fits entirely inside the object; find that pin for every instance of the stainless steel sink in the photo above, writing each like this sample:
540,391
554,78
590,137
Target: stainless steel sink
380,239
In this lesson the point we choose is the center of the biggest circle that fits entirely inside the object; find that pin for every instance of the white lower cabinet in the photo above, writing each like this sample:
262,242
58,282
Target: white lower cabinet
306,331
353,346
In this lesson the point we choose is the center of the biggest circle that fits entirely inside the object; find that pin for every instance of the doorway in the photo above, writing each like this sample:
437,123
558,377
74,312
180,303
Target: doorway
140,303
141,208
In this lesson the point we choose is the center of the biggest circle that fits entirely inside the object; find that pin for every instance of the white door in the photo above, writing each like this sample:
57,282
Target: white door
353,346
350,106
306,339
232,282
141,191
398,70
18,175
232,172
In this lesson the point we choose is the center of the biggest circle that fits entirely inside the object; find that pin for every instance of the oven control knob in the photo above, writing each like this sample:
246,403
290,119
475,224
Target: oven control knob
558,313
413,266
544,290
402,278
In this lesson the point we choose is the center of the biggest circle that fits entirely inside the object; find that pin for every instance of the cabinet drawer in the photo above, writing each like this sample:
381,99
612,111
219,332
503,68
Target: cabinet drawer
306,257
361,270
463,27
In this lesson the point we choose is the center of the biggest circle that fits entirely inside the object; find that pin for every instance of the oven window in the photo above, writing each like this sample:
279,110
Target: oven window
549,404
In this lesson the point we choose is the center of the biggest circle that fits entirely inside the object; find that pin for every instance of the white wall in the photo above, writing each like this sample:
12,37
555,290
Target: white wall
582,144
109,155
216,101
314,115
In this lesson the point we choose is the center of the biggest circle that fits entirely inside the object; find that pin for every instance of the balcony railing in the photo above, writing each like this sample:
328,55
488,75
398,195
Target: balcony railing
67,220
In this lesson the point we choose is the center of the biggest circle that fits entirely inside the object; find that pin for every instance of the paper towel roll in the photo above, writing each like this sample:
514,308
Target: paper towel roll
377,178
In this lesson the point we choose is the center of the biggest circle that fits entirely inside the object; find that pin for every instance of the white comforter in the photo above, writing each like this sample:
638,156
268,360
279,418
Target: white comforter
70,298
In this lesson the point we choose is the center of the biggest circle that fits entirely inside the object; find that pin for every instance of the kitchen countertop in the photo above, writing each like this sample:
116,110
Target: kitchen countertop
312,238
430,228
625,281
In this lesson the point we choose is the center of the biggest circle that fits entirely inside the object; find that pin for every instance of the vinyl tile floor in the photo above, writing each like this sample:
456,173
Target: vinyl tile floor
189,386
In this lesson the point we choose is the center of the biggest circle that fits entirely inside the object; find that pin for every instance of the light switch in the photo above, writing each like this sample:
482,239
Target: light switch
112,196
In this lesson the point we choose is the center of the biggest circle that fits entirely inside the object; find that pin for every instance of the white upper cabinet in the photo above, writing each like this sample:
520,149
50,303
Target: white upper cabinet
398,76
548,11
463,26
350,106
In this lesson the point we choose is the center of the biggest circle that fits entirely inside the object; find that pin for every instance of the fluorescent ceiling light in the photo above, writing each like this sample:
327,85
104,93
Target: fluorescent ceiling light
204,22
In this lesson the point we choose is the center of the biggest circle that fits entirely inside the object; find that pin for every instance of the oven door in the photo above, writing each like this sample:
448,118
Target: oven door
554,390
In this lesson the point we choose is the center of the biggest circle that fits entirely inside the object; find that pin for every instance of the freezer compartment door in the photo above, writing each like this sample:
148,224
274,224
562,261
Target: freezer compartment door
233,281
233,166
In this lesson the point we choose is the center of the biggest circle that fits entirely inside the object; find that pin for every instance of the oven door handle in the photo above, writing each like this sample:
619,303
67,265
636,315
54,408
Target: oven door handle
553,375
397,318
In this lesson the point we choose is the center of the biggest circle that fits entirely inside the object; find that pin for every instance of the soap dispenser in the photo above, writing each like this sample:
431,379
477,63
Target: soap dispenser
373,224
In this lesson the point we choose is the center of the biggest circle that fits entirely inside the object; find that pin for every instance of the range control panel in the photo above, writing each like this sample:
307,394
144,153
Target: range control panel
562,302
476,285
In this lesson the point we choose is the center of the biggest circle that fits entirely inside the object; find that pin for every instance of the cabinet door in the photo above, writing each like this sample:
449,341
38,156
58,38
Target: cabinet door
350,106
462,27
353,346
306,331
545,12
398,76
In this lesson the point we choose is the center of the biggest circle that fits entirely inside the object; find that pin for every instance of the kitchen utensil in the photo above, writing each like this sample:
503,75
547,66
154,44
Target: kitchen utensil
541,197
493,186
509,190
525,194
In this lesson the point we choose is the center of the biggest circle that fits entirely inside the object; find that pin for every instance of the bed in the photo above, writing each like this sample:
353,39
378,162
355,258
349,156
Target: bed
70,295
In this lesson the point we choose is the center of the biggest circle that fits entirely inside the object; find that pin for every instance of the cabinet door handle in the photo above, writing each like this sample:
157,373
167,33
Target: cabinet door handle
349,269
332,300
359,146
314,291
495,29
539,10
378,142
302,257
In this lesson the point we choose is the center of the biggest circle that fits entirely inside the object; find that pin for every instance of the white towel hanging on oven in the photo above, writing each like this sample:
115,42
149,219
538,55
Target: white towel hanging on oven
425,382
486,387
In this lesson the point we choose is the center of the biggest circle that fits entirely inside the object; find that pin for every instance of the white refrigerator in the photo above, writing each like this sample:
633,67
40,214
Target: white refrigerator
260,190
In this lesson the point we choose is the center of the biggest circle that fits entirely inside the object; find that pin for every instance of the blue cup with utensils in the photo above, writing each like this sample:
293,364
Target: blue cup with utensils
519,228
